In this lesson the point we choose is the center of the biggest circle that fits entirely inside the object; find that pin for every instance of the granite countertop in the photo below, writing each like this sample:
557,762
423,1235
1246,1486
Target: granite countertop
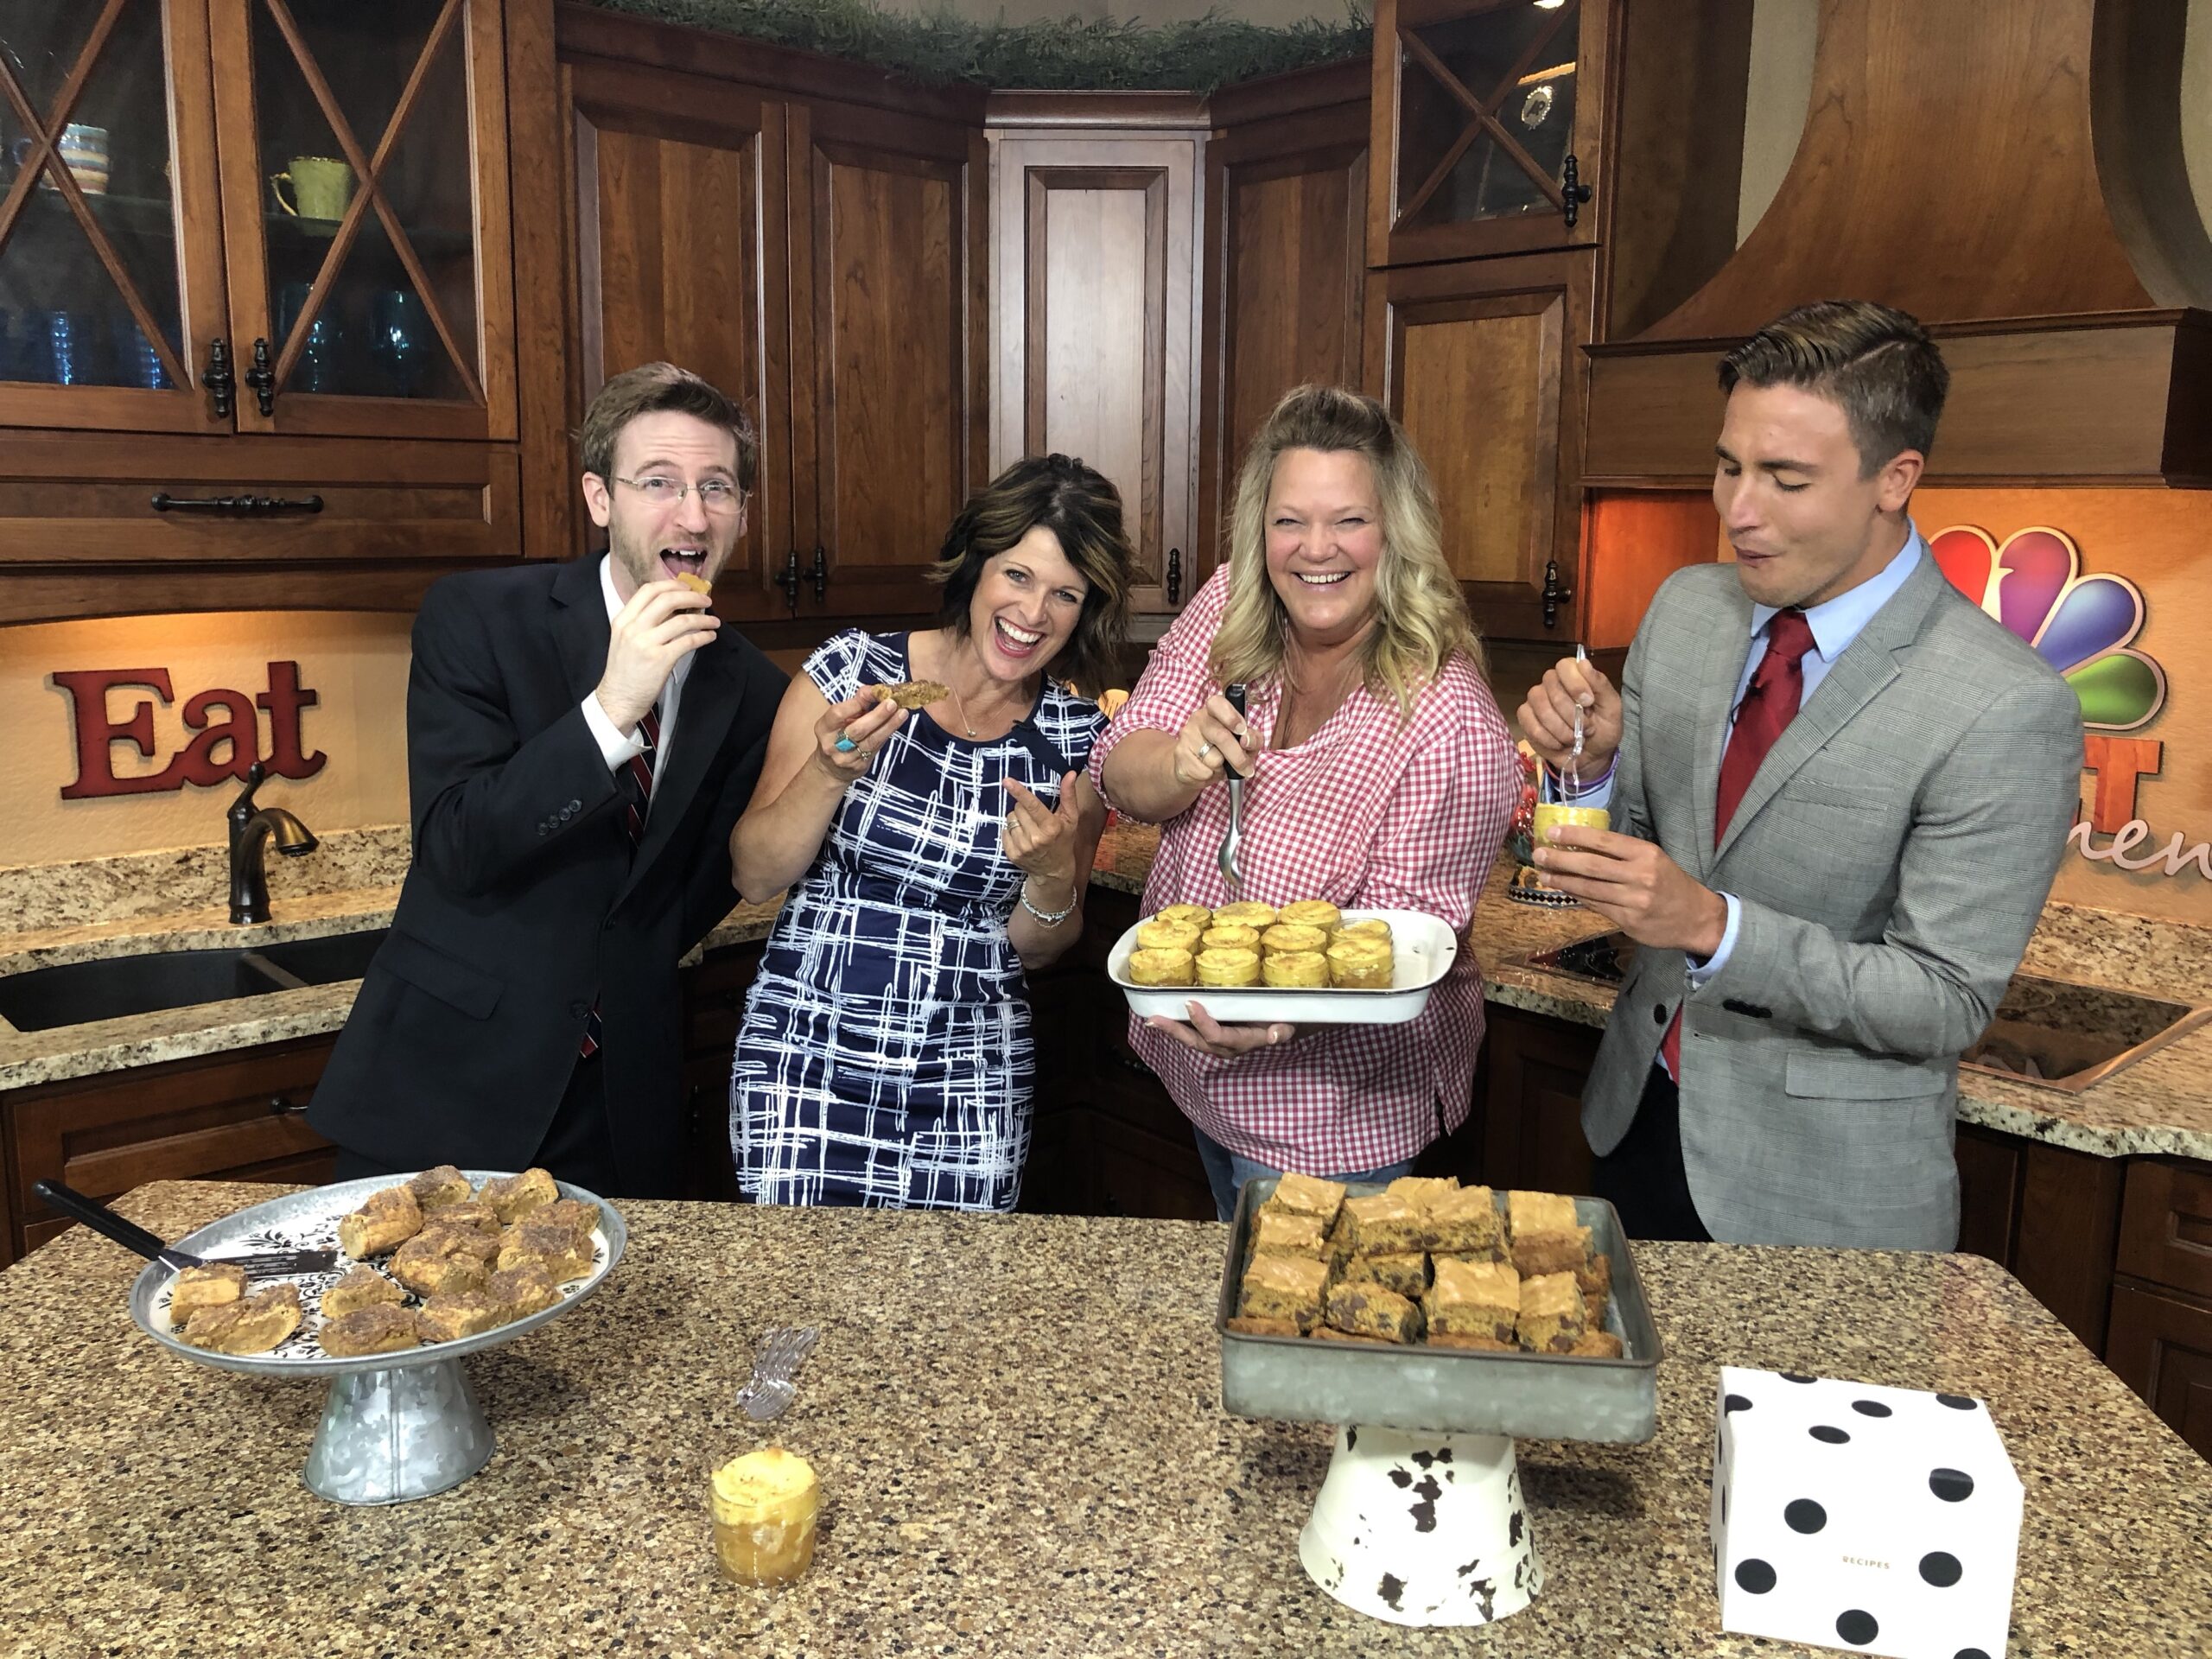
2160,1104
1047,1471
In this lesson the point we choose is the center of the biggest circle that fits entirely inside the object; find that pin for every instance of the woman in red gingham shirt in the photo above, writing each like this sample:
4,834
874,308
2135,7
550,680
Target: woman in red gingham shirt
1382,777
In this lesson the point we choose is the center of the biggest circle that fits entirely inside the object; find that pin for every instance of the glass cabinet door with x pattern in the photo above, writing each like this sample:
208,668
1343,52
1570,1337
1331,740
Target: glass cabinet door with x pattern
1486,126
111,254
363,180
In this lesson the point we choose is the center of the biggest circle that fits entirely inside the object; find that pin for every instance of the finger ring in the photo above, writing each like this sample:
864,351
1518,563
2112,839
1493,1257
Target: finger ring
845,746
1205,749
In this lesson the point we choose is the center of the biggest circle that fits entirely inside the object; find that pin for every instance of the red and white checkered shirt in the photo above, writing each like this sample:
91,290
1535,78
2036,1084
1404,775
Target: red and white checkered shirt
1370,812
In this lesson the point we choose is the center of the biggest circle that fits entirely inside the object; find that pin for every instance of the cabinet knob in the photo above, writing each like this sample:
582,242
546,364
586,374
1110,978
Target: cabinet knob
218,380
1572,191
820,573
261,376
1553,596
789,581
1174,577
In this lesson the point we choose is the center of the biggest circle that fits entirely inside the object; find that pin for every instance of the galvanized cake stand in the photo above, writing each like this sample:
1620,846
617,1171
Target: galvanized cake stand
1421,1519
395,1427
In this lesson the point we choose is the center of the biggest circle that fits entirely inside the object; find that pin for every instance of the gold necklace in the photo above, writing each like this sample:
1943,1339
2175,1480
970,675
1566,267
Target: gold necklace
963,707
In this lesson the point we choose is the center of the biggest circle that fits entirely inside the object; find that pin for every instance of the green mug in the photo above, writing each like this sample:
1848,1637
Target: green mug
320,187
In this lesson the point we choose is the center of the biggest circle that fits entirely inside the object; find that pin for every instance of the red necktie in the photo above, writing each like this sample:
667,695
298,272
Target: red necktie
1770,704
639,769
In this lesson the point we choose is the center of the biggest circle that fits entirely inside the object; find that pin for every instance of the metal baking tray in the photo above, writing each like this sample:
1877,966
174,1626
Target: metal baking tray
1532,1396
1422,948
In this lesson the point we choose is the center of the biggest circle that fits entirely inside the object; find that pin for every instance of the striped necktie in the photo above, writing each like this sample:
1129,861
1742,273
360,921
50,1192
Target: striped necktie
637,774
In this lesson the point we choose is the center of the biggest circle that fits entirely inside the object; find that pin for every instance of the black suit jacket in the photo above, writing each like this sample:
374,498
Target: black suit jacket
525,901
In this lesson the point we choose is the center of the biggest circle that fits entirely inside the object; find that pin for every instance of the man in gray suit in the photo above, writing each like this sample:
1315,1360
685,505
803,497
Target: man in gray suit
1839,792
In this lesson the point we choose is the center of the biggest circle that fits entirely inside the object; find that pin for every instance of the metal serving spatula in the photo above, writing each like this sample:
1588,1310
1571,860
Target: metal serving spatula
101,1219
1230,877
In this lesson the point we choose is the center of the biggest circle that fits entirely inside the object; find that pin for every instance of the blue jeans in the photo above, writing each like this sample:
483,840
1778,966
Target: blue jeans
1227,1171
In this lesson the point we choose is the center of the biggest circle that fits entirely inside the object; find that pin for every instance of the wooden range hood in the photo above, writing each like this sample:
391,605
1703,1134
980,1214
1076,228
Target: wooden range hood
2013,175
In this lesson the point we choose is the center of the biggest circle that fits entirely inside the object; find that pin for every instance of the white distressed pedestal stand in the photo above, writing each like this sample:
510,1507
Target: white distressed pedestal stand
1423,1528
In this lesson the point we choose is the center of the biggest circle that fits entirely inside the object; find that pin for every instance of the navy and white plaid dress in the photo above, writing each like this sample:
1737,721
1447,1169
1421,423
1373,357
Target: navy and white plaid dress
885,1058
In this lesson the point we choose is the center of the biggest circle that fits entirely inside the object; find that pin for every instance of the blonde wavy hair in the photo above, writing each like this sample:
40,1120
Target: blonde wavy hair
1421,616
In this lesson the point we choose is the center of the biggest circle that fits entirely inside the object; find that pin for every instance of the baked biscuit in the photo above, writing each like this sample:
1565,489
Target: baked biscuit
459,1313
1552,1319
1195,915
1279,1232
472,1215
445,1259
381,1328
1359,964
579,1217
386,1219
698,584
1284,1287
1166,936
1283,938
1230,938
1371,1311
911,694
1310,913
523,1290
1228,967
557,1249
213,1286
1406,1273
1475,1300
1542,1253
1245,914
362,1288
434,1189
512,1197
252,1324
1159,968
1307,1195
1465,1223
1301,968
1386,1224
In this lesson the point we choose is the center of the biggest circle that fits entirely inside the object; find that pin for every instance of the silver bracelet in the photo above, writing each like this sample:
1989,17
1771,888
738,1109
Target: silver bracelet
1051,918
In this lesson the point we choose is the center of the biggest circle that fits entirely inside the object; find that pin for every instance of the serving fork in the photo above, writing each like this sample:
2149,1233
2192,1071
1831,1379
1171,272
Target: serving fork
1230,877
769,1392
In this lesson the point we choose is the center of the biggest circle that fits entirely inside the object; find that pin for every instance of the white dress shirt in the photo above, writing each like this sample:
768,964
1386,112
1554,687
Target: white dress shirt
1835,624
613,744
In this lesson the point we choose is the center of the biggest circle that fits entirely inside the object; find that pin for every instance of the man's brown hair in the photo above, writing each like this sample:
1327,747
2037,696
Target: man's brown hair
1874,362
660,387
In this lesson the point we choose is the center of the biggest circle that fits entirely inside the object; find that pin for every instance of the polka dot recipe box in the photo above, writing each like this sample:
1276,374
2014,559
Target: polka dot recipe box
1872,1519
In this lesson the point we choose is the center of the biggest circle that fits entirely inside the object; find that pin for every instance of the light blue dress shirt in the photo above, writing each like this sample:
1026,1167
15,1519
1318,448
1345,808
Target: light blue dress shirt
1835,624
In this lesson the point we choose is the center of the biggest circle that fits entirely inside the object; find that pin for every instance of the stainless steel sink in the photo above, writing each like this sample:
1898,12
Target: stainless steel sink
112,988
2051,1032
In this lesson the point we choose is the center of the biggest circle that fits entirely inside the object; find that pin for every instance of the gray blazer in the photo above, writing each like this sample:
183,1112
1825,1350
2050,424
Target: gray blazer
1891,857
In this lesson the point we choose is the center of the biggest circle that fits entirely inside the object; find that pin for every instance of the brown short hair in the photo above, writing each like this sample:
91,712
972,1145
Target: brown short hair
1081,508
660,388
1874,361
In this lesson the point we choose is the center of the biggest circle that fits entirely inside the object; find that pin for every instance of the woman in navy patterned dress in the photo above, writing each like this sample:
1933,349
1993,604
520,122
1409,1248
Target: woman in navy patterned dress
930,858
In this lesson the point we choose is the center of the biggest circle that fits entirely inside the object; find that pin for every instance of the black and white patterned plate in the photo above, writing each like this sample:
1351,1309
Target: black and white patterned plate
308,1221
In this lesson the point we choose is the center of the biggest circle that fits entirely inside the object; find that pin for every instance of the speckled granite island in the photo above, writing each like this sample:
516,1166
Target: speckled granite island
1017,1424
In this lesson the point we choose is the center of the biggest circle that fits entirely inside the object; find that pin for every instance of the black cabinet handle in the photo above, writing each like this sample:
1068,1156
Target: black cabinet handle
261,376
820,572
789,581
1572,191
1553,596
236,506
1174,577
218,380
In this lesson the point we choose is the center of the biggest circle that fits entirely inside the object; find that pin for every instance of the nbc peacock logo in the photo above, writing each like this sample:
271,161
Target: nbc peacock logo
2083,626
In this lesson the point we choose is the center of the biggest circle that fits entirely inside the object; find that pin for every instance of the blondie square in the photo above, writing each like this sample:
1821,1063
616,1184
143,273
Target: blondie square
1245,1325
1386,1224
1422,1189
1339,1249
1465,1222
1474,1299
1533,1215
1304,1195
1371,1311
1596,1345
512,1197
457,1314
1281,1233
212,1285
435,1189
1486,1344
1284,1288
1544,1253
362,1286
380,1328
1552,1318
1405,1272
385,1220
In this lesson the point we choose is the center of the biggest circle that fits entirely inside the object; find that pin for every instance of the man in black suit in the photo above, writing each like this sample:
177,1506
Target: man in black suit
581,738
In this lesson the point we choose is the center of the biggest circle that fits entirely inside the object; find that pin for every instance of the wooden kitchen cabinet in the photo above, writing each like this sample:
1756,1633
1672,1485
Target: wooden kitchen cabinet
1481,360
238,1116
2161,1347
713,1007
810,237
226,226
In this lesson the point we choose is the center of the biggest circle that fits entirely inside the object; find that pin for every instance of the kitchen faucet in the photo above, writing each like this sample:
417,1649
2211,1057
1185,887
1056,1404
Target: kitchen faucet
251,828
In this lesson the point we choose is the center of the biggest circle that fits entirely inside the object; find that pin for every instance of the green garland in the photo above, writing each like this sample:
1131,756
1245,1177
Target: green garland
1073,53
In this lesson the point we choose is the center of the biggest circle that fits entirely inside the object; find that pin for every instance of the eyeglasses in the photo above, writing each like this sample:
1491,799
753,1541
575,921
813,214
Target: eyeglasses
716,494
